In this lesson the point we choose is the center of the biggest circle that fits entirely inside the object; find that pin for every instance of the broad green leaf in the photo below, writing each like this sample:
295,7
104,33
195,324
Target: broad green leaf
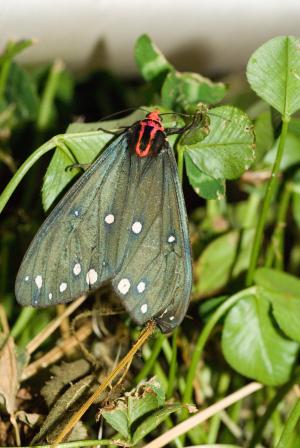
204,185
283,291
148,397
83,147
228,149
294,126
117,418
57,177
184,89
253,347
150,59
223,259
291,155
145,398
278,281
273,72
264,135
151,423
21,91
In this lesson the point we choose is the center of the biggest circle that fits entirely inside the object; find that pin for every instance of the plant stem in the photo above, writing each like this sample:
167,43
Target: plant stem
22,321
46,105
270,409
215,422
266,203
173,365
24,168
4,72
287,435
148,366
203,337
276,248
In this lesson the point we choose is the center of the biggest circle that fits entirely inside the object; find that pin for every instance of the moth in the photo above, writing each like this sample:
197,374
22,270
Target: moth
124,221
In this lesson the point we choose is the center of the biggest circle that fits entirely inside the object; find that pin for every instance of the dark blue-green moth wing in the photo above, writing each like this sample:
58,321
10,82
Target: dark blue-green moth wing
123,221
74,251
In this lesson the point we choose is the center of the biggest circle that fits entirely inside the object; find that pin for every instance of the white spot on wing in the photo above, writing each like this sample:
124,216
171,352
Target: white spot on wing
77,269
171,239
136,227
76,213
38,281
124,285
109,219
26,278
50,295
172,318
91,277
141,287
63,287
144,308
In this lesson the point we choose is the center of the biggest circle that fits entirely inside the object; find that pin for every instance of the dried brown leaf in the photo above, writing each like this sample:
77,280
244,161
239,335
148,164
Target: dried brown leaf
8,374
64,374
64,407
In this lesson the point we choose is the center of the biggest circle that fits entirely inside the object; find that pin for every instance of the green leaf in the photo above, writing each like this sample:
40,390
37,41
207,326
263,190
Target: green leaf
185,89
283,291
253,347
223,260
117,418
150,60
273,72
264,135
151,423
294,126
204,185
71,148
14,48
21,91
291,155
148,397
278,281
145,398
228,149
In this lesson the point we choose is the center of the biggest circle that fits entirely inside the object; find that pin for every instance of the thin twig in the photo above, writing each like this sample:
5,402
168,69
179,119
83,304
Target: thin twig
52,326
57,352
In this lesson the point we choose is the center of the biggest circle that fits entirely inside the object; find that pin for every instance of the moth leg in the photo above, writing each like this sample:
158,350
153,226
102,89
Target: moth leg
84,166
117,132
196,121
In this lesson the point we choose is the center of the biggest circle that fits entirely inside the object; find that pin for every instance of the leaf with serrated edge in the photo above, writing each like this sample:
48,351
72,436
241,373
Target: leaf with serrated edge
228,149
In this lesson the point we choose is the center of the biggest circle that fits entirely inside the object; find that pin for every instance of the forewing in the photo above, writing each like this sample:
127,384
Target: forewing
155,277
74,250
